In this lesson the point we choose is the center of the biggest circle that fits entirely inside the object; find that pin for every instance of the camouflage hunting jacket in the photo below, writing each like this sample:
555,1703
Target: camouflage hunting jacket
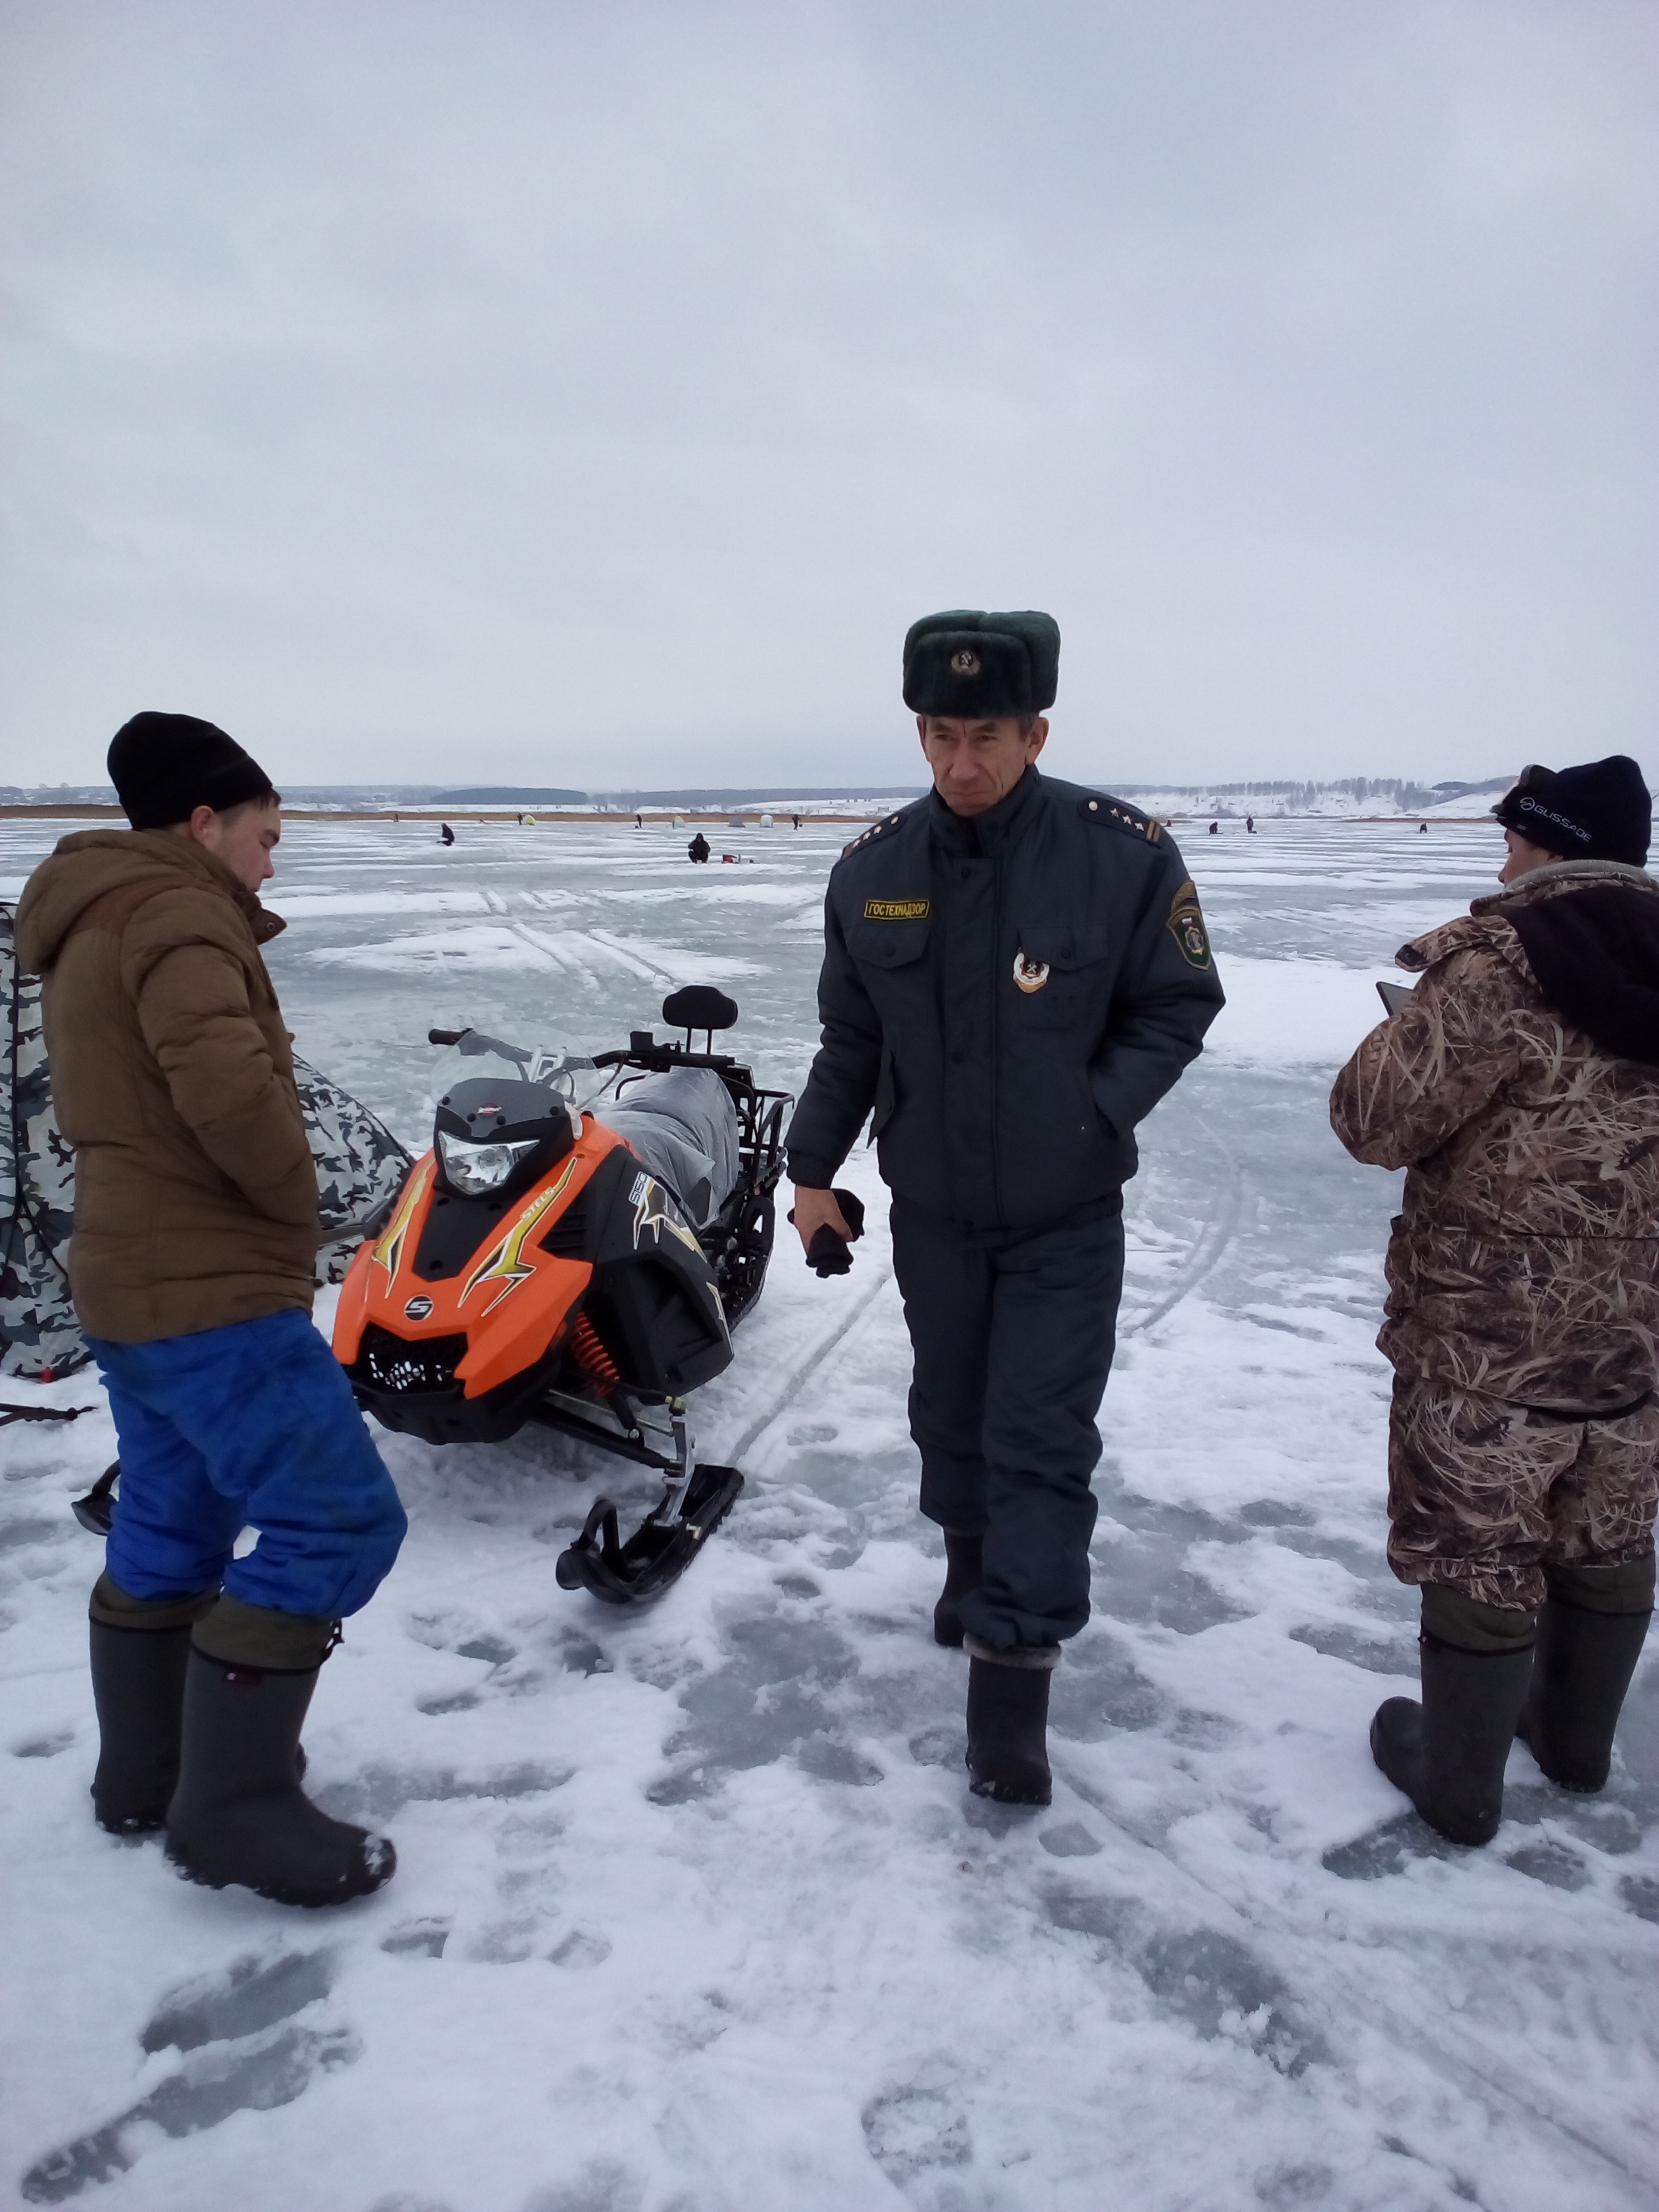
1524,1262
195,1194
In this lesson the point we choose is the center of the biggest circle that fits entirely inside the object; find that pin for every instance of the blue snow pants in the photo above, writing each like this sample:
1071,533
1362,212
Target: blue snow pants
250,1425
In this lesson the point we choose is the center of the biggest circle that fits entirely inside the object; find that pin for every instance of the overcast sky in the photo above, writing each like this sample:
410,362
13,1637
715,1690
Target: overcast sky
593,394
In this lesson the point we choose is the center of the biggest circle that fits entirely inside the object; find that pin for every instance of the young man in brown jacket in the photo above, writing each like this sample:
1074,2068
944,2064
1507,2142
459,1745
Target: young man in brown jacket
1519,1087
191,1260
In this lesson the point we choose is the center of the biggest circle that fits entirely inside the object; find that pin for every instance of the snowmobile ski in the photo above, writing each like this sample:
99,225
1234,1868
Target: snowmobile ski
661,1549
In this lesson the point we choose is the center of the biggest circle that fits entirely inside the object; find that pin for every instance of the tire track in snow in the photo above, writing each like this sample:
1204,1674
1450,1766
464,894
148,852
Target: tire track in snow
810,1364
1211,1242
1317,1962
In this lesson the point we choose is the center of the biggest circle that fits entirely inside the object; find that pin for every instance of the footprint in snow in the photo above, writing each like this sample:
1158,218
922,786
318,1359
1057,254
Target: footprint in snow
604,2184
43,1747
1202,1976
911,2129
416,1939
581,1950
254,1994
1388,1849
243,2051
381,1792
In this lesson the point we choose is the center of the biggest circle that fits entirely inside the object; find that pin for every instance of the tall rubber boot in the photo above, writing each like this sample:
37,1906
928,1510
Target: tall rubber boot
1447,1754
1008,1722
1582,1668
964,1551
239,1814
138,1688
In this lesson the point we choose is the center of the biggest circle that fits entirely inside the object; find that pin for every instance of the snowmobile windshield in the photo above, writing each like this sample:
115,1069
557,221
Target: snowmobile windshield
568,1073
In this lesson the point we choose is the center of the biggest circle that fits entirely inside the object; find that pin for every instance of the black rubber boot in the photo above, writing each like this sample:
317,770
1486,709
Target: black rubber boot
964,1552
1447,1754
1582,1668
239,1814
138,1688
1008,1722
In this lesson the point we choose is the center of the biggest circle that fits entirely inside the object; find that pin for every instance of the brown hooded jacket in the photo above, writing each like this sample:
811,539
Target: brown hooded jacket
195,1194
1524,1262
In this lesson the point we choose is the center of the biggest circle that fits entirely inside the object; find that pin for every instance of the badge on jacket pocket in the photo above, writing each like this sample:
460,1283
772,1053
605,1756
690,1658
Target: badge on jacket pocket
1186,926
1030,975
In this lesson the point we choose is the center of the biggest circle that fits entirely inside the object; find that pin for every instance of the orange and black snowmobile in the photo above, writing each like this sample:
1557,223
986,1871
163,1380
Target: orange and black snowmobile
576,1250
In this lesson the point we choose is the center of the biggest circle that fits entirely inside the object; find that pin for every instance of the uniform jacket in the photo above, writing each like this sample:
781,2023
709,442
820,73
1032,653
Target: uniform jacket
195,1194
1525,1260
1011,995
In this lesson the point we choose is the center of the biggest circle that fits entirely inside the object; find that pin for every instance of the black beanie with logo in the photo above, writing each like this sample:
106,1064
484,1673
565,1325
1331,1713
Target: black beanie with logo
1601,811
165,766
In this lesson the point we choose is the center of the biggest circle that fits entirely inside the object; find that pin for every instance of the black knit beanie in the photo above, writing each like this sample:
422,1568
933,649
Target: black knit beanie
1601,811
165,766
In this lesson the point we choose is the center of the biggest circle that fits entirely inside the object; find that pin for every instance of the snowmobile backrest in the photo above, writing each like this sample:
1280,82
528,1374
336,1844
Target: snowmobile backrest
699,1006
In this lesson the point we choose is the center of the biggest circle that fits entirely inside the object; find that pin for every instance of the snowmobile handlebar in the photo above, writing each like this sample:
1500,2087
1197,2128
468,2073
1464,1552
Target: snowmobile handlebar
444,1036
659,1057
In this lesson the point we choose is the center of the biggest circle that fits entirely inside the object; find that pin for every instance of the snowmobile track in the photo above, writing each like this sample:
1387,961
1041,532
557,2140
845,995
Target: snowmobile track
809,1365
1322,1957
1212,1242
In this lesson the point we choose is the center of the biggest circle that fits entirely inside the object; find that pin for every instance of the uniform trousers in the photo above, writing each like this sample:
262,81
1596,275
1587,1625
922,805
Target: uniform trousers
1506,1503
250,1426
1012,1333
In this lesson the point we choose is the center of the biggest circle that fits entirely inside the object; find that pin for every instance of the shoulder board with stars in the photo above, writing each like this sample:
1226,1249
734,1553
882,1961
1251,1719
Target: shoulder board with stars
1118,814
875,829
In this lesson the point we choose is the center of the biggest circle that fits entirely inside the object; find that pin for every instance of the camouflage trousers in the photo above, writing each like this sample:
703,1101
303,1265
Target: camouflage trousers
1487,1496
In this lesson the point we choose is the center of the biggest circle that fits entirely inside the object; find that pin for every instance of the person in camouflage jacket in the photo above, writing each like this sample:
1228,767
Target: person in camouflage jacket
1518,1085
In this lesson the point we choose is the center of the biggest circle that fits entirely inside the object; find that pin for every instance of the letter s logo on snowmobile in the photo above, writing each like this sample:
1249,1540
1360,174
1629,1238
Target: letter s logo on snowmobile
389,1252
505,1263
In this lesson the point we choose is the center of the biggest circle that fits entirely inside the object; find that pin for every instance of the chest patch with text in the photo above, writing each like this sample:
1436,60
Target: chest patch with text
897,909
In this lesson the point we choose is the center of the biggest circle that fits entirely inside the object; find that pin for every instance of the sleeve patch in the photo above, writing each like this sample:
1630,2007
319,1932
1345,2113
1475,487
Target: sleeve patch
1186,926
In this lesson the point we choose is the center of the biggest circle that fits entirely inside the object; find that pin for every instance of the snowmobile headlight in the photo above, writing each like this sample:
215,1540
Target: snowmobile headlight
474,1169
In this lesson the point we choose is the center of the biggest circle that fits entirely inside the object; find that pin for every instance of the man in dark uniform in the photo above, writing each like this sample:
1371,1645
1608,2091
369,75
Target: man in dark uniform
1015,972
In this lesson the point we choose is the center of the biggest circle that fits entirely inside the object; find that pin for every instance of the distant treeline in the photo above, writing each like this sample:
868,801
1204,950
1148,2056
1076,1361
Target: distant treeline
1298,797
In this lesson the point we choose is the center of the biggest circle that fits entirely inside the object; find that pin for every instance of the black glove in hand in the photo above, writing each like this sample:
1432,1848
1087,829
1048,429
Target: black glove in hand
827,1253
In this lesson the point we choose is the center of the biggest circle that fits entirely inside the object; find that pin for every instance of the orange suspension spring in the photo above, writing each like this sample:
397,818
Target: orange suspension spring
589,1353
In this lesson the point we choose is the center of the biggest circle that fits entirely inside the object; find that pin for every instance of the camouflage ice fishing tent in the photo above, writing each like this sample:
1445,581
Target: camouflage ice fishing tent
38,1334
361,1167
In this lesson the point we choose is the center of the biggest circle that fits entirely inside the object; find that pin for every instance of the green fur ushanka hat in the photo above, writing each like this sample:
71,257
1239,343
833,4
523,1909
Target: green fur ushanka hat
980,664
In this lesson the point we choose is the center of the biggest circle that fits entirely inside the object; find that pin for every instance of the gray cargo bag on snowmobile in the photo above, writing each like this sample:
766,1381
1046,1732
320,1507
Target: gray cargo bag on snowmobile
361,1167
683,1126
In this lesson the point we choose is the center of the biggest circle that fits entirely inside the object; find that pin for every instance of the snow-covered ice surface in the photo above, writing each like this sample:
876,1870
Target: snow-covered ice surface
693,1910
